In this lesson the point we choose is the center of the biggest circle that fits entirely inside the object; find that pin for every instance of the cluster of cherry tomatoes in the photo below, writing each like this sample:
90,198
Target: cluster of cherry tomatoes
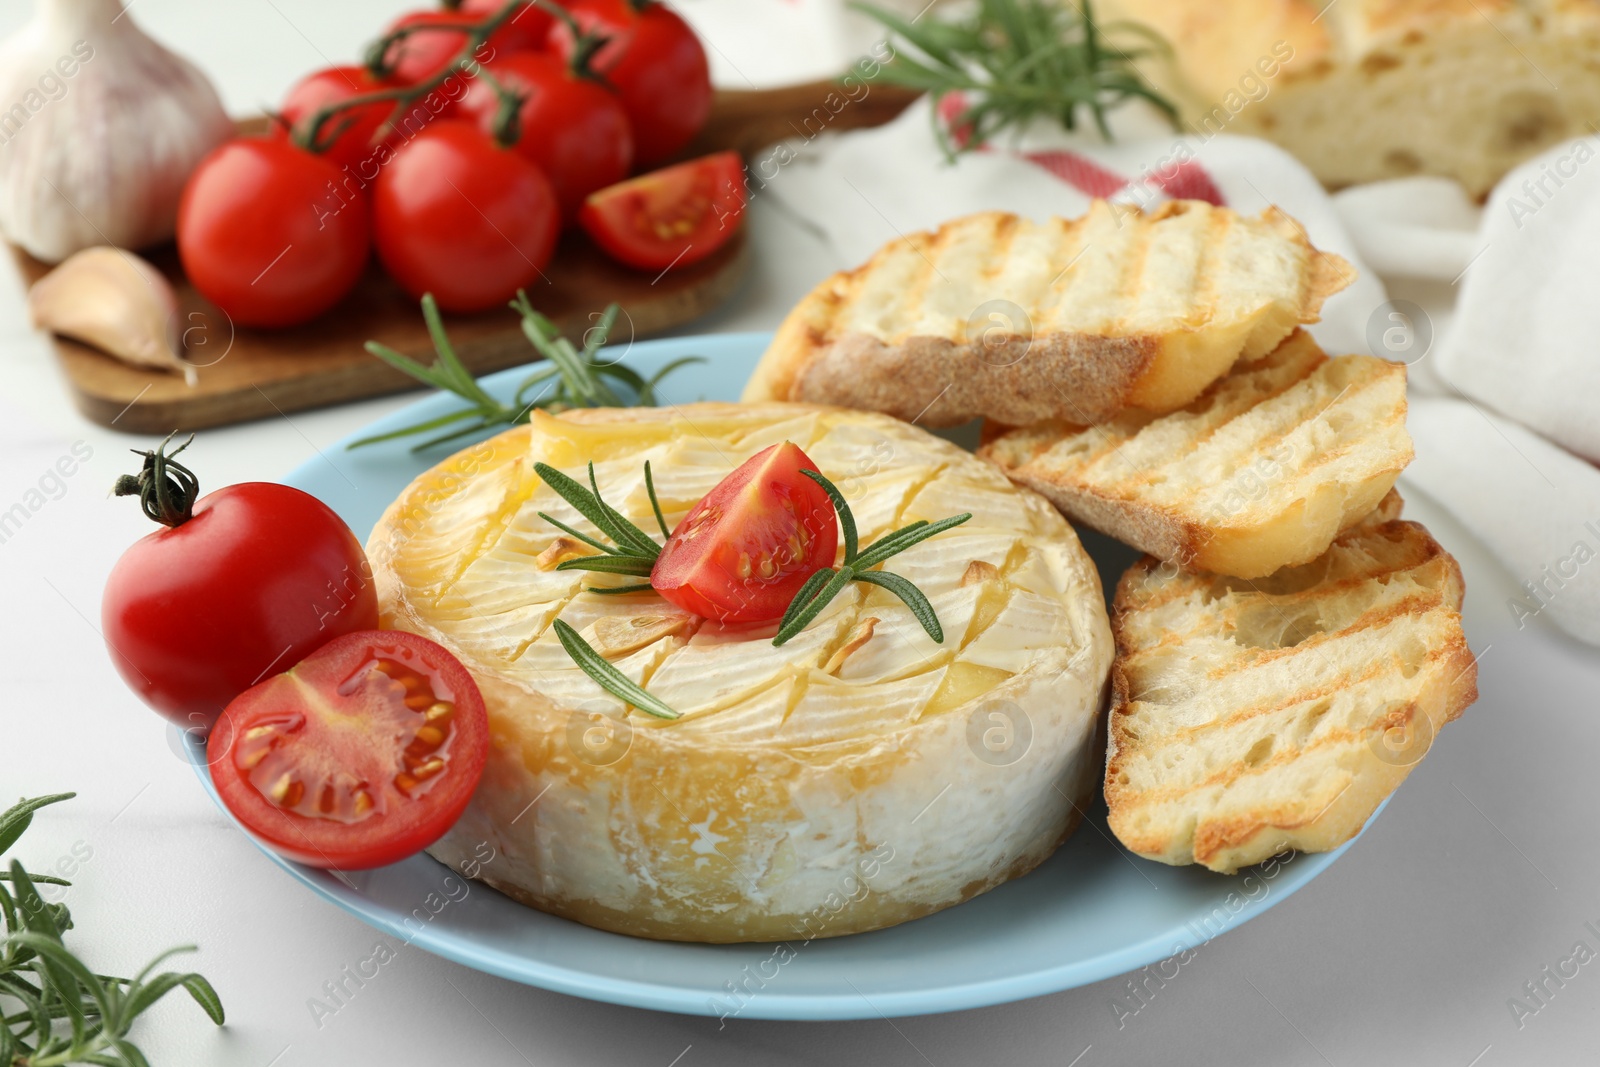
461,149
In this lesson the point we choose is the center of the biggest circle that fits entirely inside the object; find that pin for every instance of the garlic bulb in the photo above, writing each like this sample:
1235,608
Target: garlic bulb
99,129
111,299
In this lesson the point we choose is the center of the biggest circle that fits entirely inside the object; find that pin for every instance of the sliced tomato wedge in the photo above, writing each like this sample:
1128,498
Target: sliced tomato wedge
744,551
360,755
670,217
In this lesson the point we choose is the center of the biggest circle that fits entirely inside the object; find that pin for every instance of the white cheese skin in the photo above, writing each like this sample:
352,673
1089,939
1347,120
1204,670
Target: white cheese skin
841,783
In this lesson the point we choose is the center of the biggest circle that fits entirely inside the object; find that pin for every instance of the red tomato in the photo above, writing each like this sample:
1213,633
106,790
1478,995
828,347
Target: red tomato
359,756
460,217
526,32
670,217
572,126
260,577
743,552
355,146
272,234
657,65
421,54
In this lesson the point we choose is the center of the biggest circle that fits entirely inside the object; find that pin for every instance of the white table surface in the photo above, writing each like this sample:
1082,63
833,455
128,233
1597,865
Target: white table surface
1482,872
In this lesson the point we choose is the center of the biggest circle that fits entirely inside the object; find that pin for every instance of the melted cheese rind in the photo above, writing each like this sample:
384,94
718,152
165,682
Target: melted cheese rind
799,777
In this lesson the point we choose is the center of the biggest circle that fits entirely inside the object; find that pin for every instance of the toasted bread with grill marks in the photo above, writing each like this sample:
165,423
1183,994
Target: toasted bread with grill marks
1261,472
1248,718
994,315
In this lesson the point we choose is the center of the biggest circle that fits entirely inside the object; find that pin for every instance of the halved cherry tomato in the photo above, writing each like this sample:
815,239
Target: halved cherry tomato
460,217
744,551
671,217
361,755
657,64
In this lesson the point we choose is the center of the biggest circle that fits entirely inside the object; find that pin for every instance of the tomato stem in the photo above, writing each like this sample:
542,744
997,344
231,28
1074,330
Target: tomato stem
313,135
166,488
584,44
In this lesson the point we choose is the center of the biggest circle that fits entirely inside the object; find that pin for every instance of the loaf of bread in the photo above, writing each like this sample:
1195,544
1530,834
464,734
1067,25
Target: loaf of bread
1249,718
1362,90
997,316
1263,471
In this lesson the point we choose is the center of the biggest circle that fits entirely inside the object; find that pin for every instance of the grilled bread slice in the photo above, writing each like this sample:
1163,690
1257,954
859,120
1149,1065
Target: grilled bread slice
1261,472
1253,717
997,316
803,791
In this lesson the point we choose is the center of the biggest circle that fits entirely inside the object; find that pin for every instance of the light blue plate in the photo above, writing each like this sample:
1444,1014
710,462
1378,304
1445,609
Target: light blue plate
1092,911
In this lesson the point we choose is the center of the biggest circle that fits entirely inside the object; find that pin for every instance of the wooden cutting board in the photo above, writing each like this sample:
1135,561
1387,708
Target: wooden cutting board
243,374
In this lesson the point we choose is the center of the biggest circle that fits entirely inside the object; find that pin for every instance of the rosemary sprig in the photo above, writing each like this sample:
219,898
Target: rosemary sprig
54,1010
606,676
828,583
572,379
631,550
1023,59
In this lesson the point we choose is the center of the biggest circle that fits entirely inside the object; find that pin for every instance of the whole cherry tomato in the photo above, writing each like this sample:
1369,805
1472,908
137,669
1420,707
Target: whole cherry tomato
657,65
355,146
571,125
360,755
463,218
422,53
527,30
237,584
744,551
670,217
271,234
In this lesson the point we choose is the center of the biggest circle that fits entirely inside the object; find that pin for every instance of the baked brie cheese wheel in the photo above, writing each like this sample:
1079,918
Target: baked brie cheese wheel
856,777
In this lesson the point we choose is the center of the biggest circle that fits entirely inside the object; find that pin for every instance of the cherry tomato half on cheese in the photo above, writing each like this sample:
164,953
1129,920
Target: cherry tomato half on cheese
671,217
257,577
359,756
744,551
271,234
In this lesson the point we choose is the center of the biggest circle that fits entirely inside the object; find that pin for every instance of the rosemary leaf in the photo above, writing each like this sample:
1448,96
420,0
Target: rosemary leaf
806,595
1021,60
585,538
631,534
807,614
907,591
847,519
620,590
638,566
655,505
900,540
606,676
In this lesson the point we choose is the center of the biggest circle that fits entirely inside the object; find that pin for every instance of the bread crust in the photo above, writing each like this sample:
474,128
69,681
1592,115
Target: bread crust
1028,374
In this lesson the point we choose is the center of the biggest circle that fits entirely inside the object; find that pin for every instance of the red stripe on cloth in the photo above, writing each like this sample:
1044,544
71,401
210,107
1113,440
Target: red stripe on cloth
1089,176
1190,181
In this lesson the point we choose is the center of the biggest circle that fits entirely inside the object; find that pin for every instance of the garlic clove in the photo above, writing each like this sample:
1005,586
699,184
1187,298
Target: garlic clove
113,300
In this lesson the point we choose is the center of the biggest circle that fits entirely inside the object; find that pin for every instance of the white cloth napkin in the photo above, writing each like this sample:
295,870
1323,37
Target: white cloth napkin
1506,407
1518,349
